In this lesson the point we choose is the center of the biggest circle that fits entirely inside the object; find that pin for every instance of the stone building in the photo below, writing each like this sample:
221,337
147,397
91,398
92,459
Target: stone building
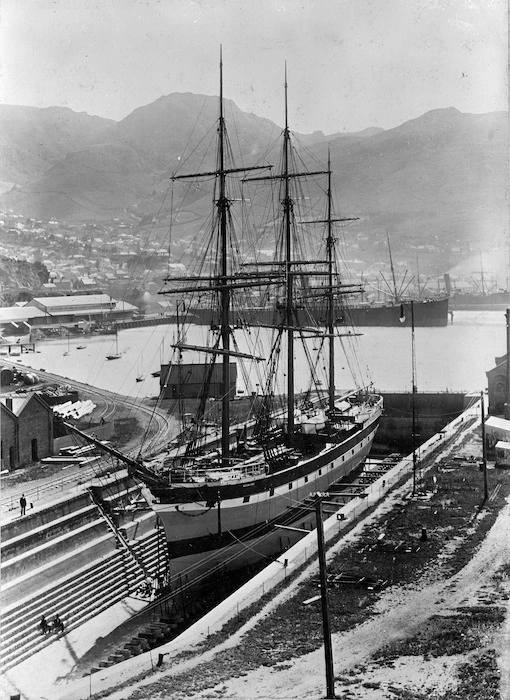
26,431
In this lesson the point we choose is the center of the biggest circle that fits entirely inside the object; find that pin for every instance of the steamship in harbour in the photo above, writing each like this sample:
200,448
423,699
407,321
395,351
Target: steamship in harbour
430,312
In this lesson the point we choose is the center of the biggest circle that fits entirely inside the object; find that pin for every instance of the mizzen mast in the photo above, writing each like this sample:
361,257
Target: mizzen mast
330,295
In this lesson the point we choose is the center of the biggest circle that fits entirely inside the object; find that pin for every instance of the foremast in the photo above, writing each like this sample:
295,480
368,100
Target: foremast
223,205
223,281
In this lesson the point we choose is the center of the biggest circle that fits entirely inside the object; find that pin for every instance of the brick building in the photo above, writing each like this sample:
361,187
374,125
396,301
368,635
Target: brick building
497,383
26,431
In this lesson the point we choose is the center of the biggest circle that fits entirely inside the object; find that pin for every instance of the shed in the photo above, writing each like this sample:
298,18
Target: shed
496,429
26,430
502,454
6,375
187,381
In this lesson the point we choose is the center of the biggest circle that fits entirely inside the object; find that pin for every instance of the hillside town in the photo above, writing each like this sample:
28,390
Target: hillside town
128,260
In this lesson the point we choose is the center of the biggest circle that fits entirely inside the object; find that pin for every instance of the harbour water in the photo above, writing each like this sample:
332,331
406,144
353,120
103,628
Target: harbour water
452,358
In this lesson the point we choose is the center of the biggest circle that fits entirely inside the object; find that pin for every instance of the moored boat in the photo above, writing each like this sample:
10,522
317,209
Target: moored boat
431,312
117,354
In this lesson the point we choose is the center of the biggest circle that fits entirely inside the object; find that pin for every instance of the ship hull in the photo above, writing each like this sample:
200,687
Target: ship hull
427,313
498,301
430,312
242,529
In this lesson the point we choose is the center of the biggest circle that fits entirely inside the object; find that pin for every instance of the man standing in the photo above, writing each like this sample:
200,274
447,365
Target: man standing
45,628
23,504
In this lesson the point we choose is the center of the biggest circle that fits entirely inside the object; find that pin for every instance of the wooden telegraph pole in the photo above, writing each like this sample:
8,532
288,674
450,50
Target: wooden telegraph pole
507,406
328,649
414,389
484,454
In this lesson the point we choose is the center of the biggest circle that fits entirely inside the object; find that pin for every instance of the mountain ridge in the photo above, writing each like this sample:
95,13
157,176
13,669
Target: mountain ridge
33,138
441,174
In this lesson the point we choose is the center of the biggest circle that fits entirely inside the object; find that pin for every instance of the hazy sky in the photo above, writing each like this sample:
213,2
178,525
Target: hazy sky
351,63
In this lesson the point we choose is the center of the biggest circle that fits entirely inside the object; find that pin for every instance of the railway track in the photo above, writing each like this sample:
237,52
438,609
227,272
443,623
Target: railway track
156,430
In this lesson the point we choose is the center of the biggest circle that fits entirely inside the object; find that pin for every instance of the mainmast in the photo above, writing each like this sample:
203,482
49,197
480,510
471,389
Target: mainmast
392,268
289,266
223,205
482,281
289,277
330,252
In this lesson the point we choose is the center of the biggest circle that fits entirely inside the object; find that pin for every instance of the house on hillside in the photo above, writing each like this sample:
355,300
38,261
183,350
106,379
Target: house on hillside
26,431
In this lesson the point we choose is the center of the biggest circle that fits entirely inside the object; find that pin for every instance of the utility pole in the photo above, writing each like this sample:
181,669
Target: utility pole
507,402
413,384
484,453
413,372
328,649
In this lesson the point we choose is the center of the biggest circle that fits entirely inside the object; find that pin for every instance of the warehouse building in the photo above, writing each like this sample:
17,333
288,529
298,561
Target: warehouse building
86,307
53,312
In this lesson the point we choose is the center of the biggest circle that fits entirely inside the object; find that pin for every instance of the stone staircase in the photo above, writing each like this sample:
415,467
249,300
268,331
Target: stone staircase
89,566
170,615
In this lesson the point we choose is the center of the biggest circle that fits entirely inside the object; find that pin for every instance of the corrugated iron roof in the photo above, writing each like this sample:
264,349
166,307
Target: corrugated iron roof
20,313
498,423
78,300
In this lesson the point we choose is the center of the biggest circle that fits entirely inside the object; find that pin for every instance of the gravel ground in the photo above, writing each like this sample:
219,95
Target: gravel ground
442,635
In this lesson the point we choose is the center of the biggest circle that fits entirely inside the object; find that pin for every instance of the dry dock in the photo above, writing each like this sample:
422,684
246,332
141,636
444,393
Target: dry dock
59,660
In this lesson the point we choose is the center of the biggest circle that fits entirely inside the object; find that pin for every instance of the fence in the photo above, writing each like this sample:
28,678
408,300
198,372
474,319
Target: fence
273,574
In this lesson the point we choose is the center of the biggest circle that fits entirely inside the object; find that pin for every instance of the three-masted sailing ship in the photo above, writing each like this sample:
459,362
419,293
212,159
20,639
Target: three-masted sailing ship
221,497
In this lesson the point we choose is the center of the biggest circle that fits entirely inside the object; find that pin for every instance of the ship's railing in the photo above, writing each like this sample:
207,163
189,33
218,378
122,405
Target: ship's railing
234,472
